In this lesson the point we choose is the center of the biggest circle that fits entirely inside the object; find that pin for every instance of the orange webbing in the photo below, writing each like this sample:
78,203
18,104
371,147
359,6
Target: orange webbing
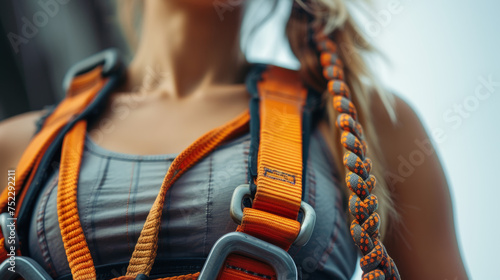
83,82
274,229
3,250
53,124
145,250
273,216
77,251
241,267
279,180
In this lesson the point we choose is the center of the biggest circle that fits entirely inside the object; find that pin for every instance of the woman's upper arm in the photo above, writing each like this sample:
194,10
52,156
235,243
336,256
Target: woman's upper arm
15,135
423,242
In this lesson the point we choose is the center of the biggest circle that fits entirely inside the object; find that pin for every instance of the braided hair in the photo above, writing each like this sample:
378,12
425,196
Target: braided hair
315,31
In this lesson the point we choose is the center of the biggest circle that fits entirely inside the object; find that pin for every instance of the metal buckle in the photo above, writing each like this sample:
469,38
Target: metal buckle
15,266
25,267
109,59
307,225
6,231
238,242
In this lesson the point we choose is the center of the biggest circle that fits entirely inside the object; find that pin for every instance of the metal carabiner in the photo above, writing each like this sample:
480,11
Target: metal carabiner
6,229
15,266
25,267
238,242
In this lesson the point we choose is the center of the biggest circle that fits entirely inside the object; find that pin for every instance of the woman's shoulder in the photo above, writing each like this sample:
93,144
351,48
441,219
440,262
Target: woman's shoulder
419,188
391,110
398,129
15,134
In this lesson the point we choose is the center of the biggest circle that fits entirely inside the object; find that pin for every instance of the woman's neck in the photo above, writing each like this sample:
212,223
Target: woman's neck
188,48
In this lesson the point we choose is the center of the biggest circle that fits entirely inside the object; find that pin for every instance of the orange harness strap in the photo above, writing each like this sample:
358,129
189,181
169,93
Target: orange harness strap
70,106
273,216
76,102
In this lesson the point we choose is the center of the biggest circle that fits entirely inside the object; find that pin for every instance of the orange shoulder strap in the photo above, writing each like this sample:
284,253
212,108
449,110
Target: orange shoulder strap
83,85
67,109
72,105
273,215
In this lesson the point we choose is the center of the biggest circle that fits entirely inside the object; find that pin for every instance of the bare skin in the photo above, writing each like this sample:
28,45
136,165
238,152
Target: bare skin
202,88
15,135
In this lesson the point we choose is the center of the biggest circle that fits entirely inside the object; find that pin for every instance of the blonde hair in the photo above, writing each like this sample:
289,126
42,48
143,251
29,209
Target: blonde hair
334,18
337,23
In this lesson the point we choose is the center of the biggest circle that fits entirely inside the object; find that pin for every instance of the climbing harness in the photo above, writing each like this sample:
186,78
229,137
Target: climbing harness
267,228
279,120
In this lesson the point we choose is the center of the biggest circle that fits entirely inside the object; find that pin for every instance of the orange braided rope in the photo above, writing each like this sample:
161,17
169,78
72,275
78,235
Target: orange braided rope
78,254
375,263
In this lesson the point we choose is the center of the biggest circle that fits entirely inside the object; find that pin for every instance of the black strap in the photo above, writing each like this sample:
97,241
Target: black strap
309,120
254,76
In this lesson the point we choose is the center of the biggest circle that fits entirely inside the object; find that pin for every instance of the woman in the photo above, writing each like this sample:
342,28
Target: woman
197,47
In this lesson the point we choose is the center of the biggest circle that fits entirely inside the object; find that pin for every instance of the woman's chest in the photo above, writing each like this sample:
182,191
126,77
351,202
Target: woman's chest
156,126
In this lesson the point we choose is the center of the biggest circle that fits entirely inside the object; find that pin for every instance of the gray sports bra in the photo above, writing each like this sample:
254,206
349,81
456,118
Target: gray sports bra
116,191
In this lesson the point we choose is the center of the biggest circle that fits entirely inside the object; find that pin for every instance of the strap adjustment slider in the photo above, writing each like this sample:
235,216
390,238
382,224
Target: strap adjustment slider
307,225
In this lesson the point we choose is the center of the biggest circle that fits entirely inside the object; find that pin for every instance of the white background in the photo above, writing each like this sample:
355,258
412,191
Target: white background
438,51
